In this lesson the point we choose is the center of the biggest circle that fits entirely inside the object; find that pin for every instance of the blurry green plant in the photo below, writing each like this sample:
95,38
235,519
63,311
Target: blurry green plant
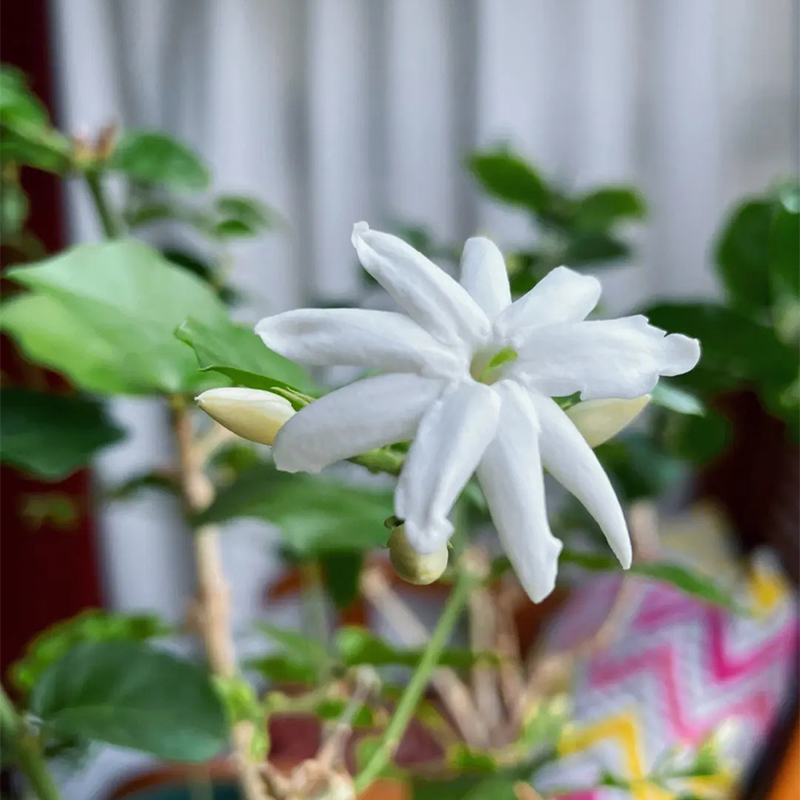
121,318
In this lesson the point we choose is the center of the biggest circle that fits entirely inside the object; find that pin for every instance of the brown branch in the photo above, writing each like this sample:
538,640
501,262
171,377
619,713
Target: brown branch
213,595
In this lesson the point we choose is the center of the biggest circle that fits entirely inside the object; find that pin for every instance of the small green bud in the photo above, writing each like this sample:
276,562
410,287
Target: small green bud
411,566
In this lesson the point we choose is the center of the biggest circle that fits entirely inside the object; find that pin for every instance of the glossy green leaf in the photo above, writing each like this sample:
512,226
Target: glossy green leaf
601,209
315,515
511,179
108,317
238,353
742,255
52,435
92,625
155,157
129,695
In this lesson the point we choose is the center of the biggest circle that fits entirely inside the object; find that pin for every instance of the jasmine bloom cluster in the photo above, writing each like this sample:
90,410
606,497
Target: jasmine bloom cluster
469,377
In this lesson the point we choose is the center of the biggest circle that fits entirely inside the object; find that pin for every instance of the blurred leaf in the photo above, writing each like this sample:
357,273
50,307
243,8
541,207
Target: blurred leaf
239,354
680,577
17,102
462,759
13,210
735,349
678,400
241,216
129,695
155,157
784,268
700,439
511,179
637,467
298,644
742,255
594,248
493,789
315,515
333,710
144,480
108,317
342,573
601,209
284,669
302,659
357,646
93,625
52,435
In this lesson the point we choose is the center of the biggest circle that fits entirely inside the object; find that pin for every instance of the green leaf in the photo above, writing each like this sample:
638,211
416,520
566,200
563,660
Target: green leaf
493,789
284,669
155,157
593,248
239,354
241,216
675,399
34,146
296,643
680,577
601,209
93,625
742,255
700,439
315,515
357,646
108,317
52,435
13,210
17,103
302,659
785,272
342,573
129,695
735,348
511,179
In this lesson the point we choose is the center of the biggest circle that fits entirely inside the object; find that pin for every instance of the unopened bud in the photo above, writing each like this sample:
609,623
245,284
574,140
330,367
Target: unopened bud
600,420
413,567
250,413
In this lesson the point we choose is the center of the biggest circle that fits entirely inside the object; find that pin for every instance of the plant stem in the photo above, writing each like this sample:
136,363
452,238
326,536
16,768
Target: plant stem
26,749
213,593
110,222
419,681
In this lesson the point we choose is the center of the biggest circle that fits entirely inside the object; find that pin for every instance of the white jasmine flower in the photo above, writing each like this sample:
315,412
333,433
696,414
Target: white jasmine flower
470,377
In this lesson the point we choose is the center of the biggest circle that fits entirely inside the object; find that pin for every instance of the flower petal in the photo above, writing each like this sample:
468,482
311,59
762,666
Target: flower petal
561,296
370,413
451,439
568,458
484,276
512,481
604,358
428,294
359,338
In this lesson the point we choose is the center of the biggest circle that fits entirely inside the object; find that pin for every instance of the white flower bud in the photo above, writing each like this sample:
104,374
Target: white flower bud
600,420
411,566
250,413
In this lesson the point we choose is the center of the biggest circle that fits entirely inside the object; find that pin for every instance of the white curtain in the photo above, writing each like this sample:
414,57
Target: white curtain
339,110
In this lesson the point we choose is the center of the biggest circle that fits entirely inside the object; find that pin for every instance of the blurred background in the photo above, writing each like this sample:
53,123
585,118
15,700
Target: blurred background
333,111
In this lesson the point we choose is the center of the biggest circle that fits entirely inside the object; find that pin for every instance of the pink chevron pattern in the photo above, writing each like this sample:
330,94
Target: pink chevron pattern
677,669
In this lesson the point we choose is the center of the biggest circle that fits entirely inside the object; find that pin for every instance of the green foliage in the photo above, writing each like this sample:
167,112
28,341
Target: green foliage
302,659
316,516
511,179
603,208
675,399
341,573
52,435
357,646
13,210
93,625
127,694
26,136
239,354
104,315
157,158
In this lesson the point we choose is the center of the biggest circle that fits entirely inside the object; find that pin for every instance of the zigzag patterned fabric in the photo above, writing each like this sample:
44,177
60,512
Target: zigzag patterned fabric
676,671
